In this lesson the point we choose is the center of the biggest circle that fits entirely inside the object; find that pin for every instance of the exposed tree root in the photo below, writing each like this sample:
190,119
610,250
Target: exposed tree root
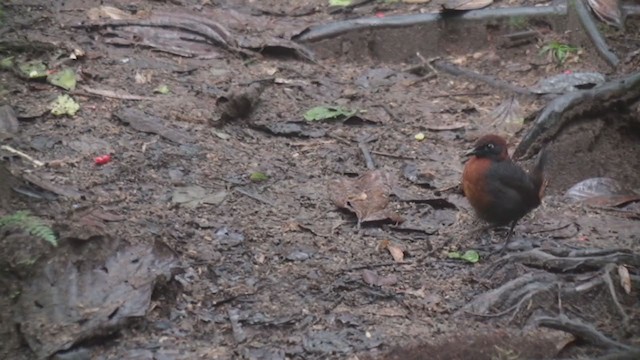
574,105
582,331
565,274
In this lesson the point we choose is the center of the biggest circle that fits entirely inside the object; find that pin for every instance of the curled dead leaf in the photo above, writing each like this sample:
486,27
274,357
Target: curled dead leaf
462,5
396,252
367,196
625,279
607,11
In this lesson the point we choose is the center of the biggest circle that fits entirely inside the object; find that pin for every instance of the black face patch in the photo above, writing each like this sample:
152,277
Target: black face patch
490,150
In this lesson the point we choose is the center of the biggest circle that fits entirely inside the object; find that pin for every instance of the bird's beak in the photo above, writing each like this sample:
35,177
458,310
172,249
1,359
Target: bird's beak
470,152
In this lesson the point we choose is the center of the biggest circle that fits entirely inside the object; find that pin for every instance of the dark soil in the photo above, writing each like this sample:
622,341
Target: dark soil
275,270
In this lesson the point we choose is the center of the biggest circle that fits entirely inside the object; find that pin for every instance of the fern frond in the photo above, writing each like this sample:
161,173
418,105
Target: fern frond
32,224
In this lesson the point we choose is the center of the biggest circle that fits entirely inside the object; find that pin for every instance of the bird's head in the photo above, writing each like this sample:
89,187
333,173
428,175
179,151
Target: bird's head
492,147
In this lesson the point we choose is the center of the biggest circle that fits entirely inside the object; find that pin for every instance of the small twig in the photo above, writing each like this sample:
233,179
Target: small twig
448,188
367,155
423,78
378,265
340,139
428,62
395,156
454,70
551,229
254,196
460,94
22,155
113,94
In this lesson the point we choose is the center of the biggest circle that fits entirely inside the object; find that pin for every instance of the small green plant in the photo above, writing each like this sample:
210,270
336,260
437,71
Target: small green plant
518,22
558,51
505,354
32,224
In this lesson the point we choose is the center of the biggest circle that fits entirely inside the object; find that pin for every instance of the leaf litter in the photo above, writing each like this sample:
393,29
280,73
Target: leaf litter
92,291
367,196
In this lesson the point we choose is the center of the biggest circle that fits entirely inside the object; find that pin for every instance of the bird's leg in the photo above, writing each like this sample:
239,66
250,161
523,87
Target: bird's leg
506,242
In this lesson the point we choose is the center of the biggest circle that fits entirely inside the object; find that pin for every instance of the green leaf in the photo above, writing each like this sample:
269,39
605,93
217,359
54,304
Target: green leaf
65,105
162,89
258,177
6,63
32,224
339,2
327,112
65,78
34,69
471,256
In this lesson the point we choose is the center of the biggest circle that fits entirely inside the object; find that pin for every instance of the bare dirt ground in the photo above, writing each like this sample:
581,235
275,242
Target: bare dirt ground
273,269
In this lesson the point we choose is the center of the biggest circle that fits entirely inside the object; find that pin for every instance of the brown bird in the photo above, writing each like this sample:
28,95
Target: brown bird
500,191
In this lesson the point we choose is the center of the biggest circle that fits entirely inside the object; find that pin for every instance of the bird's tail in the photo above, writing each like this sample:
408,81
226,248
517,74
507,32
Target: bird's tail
538,174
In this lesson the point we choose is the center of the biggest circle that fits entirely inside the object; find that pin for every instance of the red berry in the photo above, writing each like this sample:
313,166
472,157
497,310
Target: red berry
101,160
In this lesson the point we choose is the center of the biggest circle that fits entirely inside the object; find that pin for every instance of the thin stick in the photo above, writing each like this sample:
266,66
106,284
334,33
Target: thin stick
395,156
22,155
254,196
367,155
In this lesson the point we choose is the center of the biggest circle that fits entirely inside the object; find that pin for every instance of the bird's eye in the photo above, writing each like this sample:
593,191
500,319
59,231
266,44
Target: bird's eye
490,146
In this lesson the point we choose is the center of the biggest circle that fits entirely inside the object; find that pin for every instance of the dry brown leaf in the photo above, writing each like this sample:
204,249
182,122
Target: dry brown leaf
367,196
507,116
396,252
462,5
607,11
415,1
108,12
625,279
383,244
370,277
447,127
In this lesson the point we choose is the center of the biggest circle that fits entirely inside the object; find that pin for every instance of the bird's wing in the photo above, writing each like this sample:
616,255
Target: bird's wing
514,178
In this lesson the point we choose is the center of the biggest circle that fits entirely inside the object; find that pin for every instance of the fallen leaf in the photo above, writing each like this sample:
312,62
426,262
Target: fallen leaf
162,89
448,127
327,112
64,105
602,192
7,63
462,5
396,252
625,278
108,12
89,290
147,123
339,2
258,177
65,78
371,277
507,116
193,196
33,69
367,196
471,256
608,11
